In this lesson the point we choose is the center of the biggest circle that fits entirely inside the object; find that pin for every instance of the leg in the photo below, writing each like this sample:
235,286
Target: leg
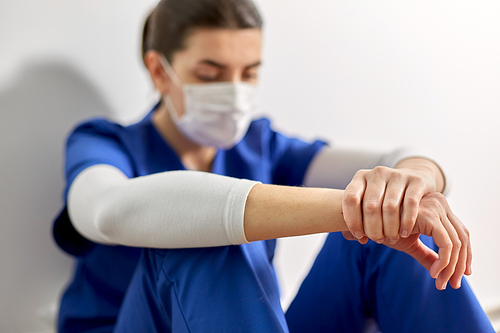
350,283
331,298
220,289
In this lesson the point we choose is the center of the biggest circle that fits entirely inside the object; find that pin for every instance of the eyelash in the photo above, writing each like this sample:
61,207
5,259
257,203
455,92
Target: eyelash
251,75
207,78
248,76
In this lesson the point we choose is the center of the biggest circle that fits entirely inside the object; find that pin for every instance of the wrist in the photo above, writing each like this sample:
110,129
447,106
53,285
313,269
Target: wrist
281,211
427,169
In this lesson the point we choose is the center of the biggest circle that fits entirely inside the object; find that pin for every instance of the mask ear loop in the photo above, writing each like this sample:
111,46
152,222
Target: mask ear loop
170,72
167,99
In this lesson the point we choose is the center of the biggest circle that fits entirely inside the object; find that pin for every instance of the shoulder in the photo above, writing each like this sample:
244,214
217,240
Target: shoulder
105,127
98,126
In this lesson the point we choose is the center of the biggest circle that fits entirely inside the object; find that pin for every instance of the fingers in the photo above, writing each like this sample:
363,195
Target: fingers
432,222
383,204
445,253
453,247
465,255
452,238
468,270
391,209
462,247
414,193
351,205
420,252
347,235
463,234
372,203
372,209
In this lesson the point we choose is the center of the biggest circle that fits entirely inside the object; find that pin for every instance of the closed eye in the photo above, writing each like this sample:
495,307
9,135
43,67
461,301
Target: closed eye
206,78
250,76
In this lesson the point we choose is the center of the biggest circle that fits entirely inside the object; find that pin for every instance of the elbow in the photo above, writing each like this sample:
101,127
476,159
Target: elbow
112,219
90,225
106,227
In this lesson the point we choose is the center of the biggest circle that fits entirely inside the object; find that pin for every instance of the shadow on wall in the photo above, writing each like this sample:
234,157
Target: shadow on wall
37,110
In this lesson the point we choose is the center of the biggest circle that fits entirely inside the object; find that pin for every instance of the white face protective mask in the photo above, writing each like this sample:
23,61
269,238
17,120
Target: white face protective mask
215,114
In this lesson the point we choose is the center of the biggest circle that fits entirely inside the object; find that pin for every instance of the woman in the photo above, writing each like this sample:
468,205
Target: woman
207,191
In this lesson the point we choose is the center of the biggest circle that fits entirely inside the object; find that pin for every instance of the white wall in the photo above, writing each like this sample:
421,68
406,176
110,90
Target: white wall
359,73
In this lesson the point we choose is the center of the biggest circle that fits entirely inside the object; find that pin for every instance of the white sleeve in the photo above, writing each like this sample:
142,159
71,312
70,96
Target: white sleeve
174,209
335,168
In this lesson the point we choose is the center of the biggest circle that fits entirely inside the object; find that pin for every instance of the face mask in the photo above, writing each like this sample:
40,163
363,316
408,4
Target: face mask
215,114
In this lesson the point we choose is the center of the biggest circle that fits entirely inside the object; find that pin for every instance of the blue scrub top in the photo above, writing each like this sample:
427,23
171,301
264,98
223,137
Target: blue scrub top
102,274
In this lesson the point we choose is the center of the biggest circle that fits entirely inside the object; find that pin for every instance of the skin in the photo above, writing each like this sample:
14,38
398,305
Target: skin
390,206
210,55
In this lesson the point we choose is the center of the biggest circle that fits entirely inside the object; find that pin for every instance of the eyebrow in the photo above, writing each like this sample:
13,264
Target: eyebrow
222,66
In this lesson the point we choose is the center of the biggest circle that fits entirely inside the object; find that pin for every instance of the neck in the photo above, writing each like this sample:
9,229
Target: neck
191,154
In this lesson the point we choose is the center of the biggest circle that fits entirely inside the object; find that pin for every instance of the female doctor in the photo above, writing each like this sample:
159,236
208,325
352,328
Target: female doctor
206,191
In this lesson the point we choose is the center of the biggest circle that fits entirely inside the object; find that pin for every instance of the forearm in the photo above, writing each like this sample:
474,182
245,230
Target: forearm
174,209
180,209
280,211
422,165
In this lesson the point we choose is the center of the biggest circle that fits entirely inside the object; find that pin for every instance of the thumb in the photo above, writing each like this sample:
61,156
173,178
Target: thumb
421,253
348,235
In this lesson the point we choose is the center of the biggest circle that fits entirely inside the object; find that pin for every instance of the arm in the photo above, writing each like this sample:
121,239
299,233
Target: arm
389,206
151,211
282,211
335,167
427,168
274,211
179,209
174,209
392,204
386,200
368,183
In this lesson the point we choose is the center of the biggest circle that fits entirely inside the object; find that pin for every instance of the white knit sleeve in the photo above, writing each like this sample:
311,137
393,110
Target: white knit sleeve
174,209
335,168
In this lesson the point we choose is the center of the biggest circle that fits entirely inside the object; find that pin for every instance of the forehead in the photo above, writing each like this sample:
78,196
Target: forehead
230,47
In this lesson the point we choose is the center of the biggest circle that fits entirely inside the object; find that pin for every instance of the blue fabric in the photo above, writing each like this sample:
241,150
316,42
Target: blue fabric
232,289
92,301
220,289
350,283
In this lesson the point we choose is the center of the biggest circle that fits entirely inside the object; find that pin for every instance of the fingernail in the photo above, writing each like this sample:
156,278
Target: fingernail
404,233
358,234
393,241
379,241
444,286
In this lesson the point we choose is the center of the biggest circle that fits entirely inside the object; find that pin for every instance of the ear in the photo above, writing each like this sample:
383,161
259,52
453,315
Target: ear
158,75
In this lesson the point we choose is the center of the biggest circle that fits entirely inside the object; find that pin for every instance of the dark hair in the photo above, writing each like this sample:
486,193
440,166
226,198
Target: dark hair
169,25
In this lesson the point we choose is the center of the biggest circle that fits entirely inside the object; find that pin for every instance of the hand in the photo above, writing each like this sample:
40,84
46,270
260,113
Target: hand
454,257
382,204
